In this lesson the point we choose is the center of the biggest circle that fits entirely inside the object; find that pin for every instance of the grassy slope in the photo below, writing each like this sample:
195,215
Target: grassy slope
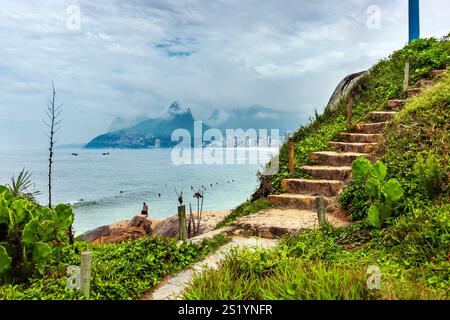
412,250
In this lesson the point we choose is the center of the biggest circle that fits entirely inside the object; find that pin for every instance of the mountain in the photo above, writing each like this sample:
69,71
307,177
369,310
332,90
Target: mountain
122,122
145,133
257,117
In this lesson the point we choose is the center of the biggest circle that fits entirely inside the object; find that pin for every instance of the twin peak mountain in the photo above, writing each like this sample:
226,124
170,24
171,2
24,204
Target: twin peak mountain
143,132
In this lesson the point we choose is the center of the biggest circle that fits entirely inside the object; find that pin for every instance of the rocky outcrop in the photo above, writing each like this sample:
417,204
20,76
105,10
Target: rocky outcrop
138,226
343,88
141,226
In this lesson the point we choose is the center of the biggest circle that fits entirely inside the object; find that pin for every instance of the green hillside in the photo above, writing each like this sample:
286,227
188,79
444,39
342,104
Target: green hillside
411,247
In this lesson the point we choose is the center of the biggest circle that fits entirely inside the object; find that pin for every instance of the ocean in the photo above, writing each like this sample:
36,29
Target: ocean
104,189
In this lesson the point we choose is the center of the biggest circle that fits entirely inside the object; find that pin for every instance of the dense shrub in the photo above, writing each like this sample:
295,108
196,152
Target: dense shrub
28,235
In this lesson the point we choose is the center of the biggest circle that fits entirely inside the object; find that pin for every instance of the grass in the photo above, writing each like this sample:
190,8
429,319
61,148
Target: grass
270,275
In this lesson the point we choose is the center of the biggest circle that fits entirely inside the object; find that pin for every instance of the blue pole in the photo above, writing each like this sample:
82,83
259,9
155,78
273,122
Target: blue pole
414,20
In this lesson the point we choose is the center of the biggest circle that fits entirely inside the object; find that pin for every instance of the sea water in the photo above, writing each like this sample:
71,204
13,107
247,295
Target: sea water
104,189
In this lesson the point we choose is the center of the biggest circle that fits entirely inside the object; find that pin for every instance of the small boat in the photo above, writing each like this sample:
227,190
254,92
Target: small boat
75,154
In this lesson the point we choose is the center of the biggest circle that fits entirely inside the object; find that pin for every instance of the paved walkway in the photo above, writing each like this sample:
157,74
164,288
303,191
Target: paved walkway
172,287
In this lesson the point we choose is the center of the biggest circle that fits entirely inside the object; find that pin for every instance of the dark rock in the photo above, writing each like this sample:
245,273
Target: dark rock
343,88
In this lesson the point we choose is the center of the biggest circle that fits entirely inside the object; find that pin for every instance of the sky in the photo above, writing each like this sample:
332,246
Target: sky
112,58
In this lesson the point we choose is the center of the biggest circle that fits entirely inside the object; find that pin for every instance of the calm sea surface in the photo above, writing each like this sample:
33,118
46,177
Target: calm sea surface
107,189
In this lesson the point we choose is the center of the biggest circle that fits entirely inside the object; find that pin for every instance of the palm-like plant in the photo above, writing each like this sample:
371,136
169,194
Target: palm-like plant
20,187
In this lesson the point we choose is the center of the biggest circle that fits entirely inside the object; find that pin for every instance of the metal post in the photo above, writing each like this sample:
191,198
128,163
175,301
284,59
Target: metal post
85,274
414,20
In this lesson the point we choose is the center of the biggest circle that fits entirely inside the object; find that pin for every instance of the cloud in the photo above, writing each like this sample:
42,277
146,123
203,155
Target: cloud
136,57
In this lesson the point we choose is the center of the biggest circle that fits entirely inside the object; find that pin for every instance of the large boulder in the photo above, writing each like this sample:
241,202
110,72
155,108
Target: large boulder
121,234
141,221
138,226
95,234
343,89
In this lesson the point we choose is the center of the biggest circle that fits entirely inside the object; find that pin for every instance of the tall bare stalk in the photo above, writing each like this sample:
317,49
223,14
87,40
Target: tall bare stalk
52,122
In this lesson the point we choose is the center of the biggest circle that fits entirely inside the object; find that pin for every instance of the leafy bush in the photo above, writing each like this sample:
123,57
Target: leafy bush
357,203
429,175
28,234
20,186
383,194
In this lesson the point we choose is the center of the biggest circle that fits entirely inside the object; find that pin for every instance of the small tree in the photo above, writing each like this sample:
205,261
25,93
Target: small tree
52,122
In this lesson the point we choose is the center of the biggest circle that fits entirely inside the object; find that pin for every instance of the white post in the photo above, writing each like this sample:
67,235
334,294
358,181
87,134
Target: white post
321,210
406,77
85,274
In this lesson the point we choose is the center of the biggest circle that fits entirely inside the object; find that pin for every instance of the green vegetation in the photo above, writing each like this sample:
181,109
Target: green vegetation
245,209
382,194
119,271
35,255
29,234
409,188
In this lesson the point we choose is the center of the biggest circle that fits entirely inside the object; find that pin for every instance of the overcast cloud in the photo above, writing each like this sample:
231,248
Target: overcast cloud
137,57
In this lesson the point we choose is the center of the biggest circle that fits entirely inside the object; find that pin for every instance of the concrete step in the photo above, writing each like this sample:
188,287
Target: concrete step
331,158
275,222
353,146
359,137
413,92
382,116
296,201
328,172
375,127
423,83
395,104
325,188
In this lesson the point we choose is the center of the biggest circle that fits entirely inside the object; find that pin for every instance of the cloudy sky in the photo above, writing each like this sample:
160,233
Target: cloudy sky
126,59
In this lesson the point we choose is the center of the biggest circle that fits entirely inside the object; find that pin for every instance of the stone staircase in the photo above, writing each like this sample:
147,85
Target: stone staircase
296,208
333,168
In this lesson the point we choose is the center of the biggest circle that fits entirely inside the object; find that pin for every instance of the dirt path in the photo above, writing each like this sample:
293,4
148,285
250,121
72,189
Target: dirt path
172,287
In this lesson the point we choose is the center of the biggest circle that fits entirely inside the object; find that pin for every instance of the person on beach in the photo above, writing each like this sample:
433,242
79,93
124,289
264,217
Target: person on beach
145,210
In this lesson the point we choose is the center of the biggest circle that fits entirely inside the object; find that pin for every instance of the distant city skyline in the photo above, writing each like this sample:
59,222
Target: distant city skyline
126,59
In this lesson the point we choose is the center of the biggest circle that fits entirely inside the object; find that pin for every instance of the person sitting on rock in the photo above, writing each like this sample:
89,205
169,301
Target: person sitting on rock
145,210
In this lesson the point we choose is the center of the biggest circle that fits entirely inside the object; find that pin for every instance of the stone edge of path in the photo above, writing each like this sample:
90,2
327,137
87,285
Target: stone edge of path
172,287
